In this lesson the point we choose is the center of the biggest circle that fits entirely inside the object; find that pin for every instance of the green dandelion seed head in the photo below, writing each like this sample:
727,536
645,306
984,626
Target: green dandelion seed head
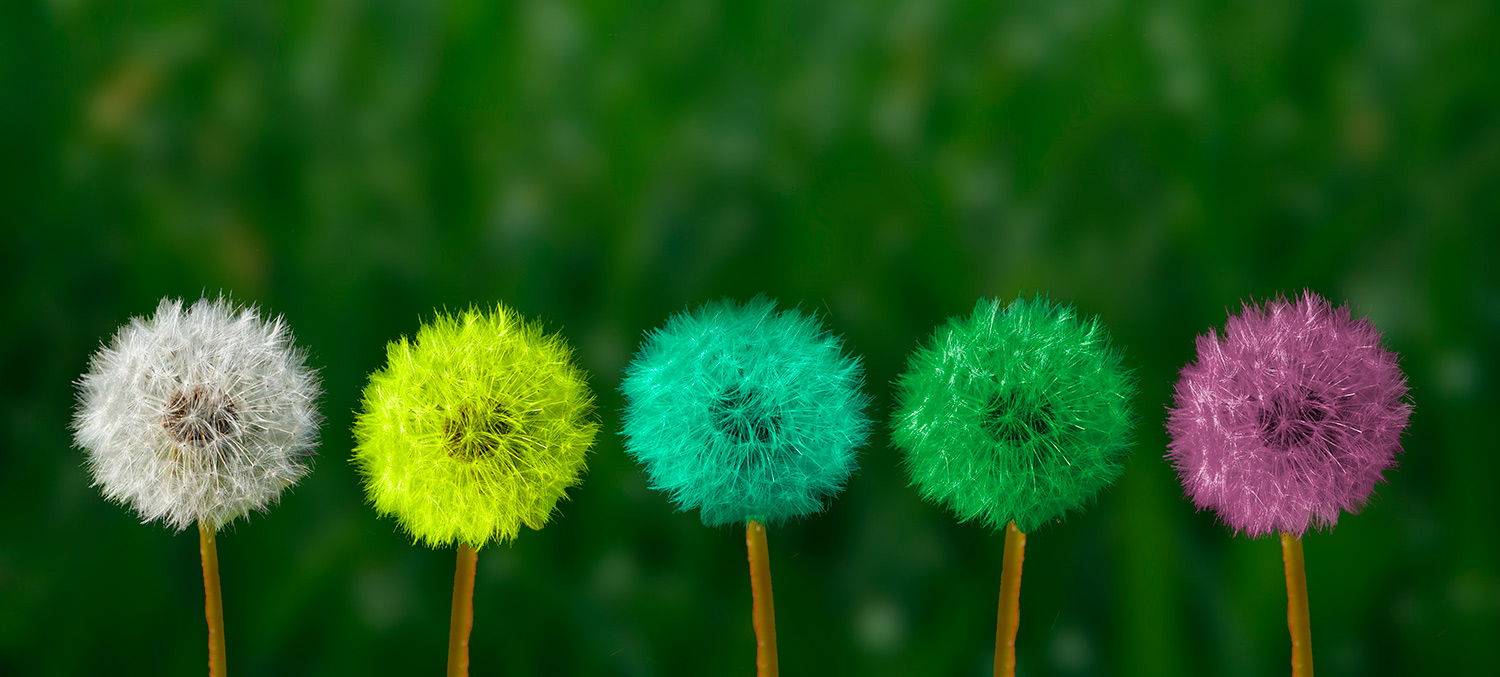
473,429
1018,412
743,412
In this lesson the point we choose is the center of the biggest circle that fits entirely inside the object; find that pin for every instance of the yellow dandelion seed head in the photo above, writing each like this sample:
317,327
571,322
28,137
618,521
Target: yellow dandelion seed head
476,427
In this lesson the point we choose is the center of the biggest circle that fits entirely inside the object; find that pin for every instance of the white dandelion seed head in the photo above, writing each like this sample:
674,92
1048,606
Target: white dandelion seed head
198,415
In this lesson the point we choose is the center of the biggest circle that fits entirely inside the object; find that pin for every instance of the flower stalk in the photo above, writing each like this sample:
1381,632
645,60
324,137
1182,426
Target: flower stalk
213,604
763,607
462,621
1298,619
1010,602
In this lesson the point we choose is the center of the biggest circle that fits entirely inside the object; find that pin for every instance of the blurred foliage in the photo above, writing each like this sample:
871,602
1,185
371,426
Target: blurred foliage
355,164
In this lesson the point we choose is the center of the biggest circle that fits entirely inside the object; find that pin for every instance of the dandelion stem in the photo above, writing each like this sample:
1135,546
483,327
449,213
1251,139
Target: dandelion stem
1297,617
1010,602
213,604
763,608
463,612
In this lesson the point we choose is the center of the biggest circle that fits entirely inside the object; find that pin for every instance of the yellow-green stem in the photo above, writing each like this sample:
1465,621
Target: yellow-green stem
1297,617
462,620
763,608
1010,602
213,601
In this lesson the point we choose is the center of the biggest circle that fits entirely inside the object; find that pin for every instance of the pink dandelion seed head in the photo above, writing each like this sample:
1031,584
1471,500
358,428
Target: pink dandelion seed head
1290,416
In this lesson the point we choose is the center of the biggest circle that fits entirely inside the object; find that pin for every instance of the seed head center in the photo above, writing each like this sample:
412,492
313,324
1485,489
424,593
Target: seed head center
196,416
1288,421
1015,419
477,432
745,417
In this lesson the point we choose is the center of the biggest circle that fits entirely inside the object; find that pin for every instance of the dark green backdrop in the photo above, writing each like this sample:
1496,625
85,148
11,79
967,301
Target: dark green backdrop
355,164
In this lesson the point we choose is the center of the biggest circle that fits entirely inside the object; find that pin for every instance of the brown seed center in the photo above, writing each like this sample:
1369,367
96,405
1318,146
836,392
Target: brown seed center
199,417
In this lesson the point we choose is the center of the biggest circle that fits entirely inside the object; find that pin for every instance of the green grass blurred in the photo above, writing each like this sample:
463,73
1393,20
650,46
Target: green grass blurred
355,164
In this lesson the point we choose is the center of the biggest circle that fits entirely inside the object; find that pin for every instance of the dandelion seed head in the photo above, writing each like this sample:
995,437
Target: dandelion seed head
199,414
1288,418
475,428
1016,412
742,411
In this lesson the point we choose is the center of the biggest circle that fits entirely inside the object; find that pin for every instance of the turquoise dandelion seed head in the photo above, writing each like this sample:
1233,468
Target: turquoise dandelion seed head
745,412
1018,412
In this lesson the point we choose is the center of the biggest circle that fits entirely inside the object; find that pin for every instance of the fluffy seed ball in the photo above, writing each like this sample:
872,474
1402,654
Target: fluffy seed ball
474,429
745,412
1289,417
1018,412
198,415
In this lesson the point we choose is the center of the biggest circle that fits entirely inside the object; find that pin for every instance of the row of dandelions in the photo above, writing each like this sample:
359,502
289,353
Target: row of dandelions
1012,416
472,430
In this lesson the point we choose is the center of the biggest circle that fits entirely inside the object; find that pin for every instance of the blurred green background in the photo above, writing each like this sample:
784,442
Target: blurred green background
355,164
